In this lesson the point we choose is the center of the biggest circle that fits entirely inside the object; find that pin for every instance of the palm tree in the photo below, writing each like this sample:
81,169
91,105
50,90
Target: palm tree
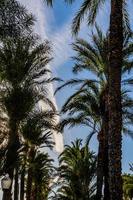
43,171
37,133
77,172
115,101
86,108
89,10
95,58
91,99
23,71
118,19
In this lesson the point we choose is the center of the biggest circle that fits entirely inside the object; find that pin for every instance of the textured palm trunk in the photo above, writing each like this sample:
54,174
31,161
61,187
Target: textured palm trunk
102,166
30,176
106,161
34,192
106,184
16,184
115,108
100,163
29,185
11,156
22,183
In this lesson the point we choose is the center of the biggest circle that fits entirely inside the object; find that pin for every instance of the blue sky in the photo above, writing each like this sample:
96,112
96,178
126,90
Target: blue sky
54,24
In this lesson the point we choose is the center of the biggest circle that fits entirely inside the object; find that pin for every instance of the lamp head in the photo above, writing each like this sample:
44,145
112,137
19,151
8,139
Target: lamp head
6,182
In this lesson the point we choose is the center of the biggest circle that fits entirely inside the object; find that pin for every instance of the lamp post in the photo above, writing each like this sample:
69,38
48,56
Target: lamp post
6,184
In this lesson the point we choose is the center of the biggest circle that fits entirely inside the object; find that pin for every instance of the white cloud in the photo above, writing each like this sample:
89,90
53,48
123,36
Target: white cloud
61,46
59,36
46,28
38,9
44,18
62,40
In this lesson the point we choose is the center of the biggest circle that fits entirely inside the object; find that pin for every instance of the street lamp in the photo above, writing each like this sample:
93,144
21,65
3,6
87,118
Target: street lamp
6,182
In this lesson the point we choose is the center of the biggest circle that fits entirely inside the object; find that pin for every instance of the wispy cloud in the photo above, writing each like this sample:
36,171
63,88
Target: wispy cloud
61,45
60,36
44,18
46,27
42,15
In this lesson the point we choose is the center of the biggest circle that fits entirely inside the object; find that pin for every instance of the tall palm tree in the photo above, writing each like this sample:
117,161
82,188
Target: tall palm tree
90,59
23,71
115,101
118,19
43,171
86,108
37,133
89,11
77,172
91,99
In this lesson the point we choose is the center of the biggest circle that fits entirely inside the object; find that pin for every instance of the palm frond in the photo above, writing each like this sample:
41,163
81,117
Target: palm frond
80,16
49,2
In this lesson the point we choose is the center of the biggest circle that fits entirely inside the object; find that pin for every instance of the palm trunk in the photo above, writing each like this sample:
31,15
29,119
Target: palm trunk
102,166
100,163
29,185
37,191
22,184
106,174
30,175
106,188
16,184
115,108
34,192
106,160
11,156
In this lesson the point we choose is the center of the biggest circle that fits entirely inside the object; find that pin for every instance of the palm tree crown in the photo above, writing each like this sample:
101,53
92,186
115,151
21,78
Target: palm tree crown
77,172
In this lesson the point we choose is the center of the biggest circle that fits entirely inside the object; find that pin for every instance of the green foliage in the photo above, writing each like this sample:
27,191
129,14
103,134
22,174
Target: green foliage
89,11
128,186
24,81
14,19
87,105
77,172
23,70
38,127
43,172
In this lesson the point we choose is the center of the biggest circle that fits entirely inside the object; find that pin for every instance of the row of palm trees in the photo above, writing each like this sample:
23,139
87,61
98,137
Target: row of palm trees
103,104
24,82
78,174
119,27
89,104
